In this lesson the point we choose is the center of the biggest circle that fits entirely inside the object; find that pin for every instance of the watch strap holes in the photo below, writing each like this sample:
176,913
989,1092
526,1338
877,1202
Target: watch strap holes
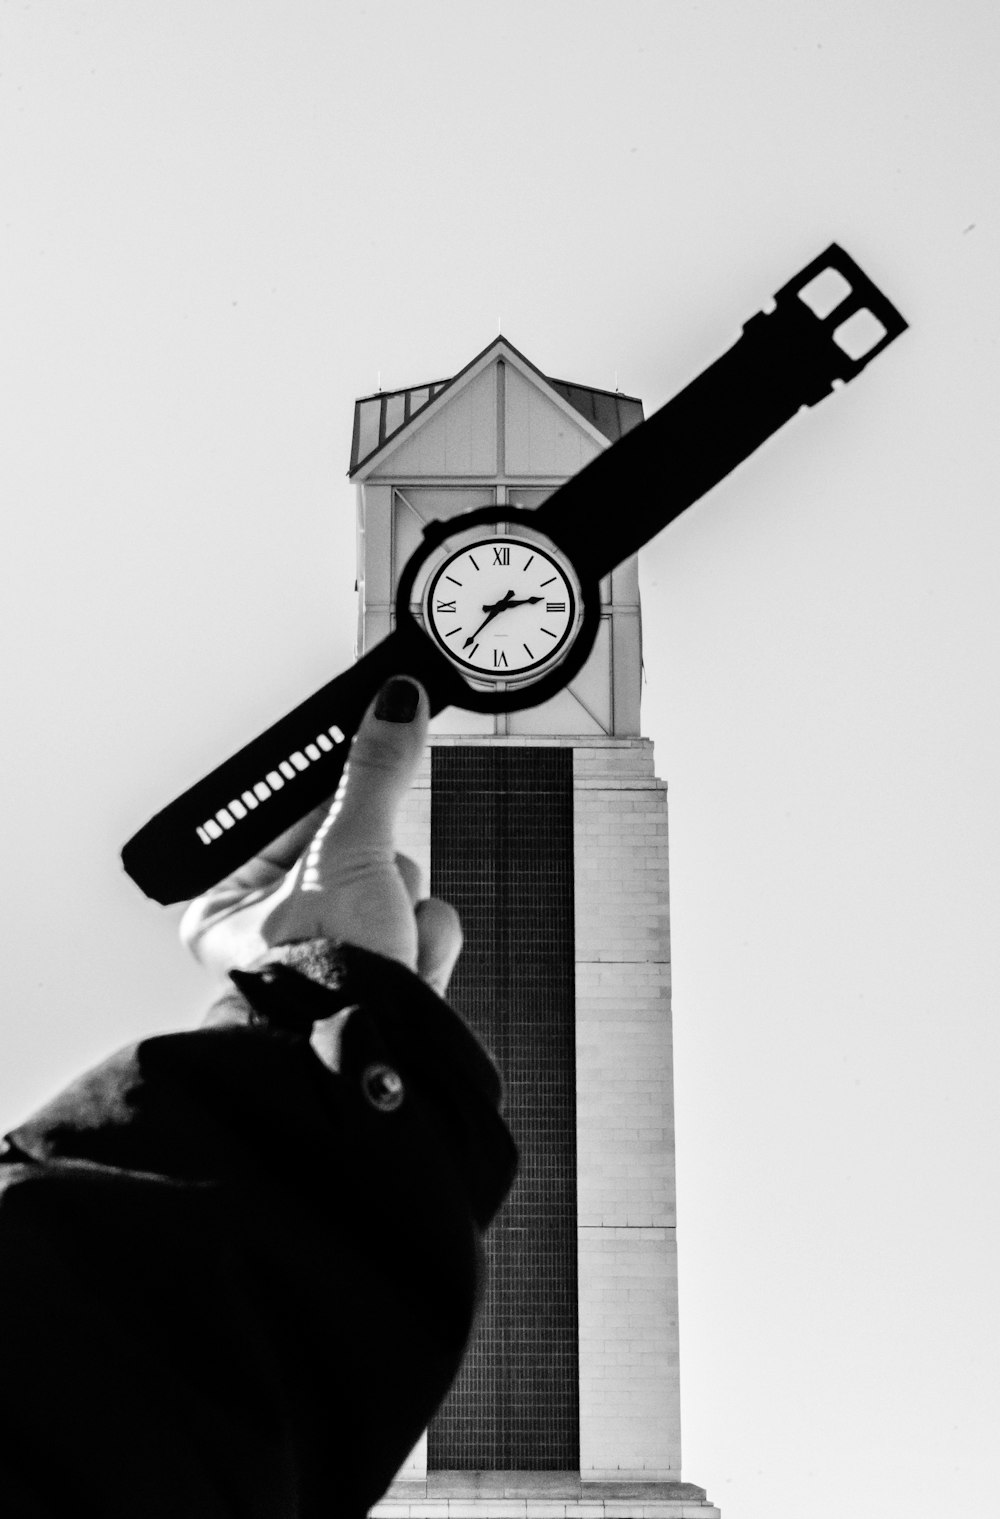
860,334
825,292
235,810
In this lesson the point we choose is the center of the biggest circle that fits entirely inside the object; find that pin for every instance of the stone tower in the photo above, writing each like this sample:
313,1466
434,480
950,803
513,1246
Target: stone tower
547,829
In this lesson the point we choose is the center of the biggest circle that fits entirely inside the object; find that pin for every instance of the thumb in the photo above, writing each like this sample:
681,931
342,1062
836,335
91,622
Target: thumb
383,762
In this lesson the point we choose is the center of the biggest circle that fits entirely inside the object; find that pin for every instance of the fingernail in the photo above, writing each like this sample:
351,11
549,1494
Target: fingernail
398,701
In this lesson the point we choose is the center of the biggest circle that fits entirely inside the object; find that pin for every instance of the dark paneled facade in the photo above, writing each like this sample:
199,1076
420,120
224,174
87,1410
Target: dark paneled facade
502,853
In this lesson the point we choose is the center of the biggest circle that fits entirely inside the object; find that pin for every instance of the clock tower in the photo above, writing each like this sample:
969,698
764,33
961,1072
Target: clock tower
547,830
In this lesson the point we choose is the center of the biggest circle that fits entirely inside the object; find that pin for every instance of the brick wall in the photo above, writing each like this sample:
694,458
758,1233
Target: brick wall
629,1382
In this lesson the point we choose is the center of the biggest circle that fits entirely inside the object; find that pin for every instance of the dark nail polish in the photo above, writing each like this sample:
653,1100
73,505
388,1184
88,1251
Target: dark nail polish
398,701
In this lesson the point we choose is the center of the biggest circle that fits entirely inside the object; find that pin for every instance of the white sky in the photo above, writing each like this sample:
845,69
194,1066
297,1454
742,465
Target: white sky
220,223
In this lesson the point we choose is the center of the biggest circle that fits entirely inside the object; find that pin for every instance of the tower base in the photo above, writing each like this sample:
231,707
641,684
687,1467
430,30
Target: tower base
540,1495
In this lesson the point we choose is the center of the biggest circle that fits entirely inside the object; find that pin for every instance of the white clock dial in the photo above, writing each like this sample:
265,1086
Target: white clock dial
502,608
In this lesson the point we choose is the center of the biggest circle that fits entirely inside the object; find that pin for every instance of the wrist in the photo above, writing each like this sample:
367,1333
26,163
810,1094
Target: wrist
318,959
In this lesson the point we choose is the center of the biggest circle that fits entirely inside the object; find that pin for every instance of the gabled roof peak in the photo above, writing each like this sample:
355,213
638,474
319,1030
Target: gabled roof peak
379,417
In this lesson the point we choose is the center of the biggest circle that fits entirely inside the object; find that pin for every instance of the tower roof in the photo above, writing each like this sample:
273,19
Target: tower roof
380,417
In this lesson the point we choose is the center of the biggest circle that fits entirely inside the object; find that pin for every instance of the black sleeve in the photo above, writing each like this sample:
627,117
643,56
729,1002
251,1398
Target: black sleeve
234,1283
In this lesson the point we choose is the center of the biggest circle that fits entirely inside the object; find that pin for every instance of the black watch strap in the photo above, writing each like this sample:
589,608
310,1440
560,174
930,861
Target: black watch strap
785,359
233,814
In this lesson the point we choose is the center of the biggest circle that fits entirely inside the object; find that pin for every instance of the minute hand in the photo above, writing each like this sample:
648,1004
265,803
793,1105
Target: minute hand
493,611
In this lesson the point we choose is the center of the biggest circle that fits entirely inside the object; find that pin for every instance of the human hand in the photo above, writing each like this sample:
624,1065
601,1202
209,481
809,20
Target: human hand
336,874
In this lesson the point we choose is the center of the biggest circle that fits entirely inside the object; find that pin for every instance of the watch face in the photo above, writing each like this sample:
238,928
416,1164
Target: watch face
502,608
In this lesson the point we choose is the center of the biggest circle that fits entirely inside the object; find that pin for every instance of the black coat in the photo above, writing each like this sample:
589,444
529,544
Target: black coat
234,1283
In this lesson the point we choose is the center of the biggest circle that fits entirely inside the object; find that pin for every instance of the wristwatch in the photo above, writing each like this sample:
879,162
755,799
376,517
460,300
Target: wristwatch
510,603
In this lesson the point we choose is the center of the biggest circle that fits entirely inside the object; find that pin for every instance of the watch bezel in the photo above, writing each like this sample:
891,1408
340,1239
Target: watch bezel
540,666
513,693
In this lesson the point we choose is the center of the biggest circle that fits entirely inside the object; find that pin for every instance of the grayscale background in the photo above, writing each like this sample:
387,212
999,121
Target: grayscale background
222,220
